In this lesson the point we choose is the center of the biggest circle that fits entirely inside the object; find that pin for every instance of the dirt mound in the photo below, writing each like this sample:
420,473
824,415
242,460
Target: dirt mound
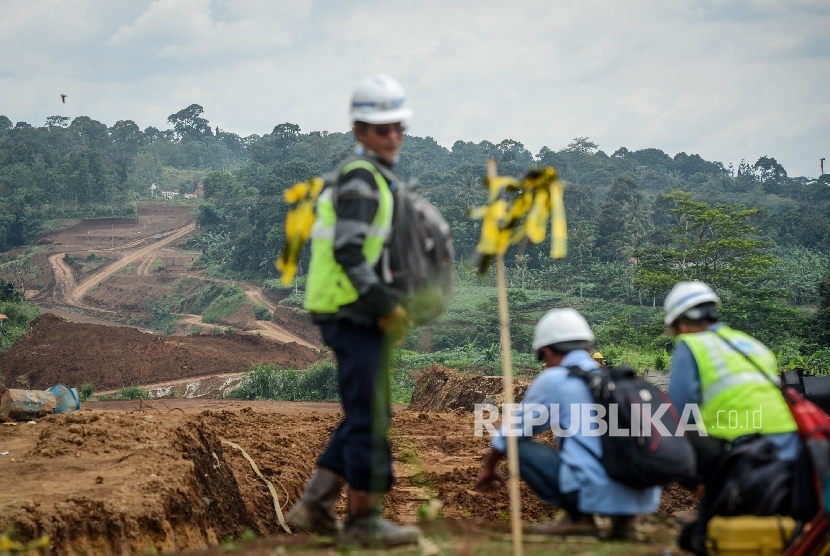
55,351
119,484
298,323
441,389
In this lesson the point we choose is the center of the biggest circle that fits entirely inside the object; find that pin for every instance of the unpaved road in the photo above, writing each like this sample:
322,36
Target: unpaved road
69,292
81,290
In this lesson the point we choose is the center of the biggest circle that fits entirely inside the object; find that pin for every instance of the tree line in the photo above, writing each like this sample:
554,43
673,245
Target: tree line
637,220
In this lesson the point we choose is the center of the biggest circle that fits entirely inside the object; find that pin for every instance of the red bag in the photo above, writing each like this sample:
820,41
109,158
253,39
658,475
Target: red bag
811,420
814,430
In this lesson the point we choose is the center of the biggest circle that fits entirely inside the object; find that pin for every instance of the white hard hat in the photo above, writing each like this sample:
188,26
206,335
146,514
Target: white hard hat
685,295
561,325
379,99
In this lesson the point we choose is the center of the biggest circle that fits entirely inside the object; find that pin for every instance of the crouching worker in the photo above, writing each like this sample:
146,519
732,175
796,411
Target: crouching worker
572,476
748,441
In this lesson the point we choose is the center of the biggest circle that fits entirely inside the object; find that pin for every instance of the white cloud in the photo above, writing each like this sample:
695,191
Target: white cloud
727,80
188,29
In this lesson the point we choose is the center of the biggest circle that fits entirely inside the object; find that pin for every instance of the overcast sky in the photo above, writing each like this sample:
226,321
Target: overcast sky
725,79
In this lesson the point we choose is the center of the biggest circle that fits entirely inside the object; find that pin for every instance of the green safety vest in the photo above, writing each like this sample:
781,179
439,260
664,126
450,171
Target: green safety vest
328,287
736,399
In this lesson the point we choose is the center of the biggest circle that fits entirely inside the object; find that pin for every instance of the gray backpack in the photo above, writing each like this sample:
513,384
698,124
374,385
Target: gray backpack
421,256
418,259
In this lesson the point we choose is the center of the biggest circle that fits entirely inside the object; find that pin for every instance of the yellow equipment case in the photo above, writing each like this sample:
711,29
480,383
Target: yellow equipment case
748,535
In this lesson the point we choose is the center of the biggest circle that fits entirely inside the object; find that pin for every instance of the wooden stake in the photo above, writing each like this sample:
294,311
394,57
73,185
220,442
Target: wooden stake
512,446
507,375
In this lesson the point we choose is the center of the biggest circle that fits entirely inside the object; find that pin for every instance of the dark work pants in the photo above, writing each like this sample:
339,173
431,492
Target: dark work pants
539,468
708,451
359,448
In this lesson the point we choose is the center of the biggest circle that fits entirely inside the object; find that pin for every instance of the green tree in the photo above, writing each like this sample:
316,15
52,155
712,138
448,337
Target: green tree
818,328
188,122
275,148
221,185
581,145
57,122
88,132
622,222
718,245
126,136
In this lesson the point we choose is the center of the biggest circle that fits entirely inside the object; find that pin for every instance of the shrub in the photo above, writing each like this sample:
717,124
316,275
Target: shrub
85,393
262,313
661,361
132,393
162,318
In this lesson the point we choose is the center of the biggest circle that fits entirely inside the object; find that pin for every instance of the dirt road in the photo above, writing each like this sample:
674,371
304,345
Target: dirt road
68,291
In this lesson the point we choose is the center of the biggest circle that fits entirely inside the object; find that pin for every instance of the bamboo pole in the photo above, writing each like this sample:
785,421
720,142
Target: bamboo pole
512,446
507,375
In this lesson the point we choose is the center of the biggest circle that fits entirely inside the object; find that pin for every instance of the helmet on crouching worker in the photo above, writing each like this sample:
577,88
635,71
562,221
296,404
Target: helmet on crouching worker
561,331
691,302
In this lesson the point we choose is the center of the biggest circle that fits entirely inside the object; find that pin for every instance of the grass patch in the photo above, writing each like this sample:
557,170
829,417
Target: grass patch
19,316
225,304
269,382
132,393
157,266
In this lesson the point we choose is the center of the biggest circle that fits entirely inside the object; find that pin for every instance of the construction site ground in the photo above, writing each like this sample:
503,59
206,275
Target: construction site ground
161,475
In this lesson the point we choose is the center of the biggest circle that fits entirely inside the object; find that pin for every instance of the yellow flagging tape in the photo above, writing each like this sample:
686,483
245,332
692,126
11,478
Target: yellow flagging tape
535,198
298,223
267,482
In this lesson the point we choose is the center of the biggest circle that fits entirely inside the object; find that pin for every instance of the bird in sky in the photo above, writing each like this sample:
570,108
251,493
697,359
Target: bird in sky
63,98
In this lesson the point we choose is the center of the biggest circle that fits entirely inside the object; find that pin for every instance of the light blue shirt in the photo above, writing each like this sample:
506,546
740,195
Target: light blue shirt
684,388
580,470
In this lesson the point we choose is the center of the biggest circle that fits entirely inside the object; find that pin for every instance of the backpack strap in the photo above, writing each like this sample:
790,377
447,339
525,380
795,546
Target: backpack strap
747,357
591,381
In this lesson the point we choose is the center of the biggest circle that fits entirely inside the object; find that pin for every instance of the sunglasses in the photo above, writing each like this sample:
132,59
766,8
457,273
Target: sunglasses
385,129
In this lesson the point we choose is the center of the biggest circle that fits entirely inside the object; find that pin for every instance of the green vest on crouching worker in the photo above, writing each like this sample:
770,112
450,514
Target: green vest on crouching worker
736,399
328,287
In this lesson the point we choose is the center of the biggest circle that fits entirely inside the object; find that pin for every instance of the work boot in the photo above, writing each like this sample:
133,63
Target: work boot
623,527
365,528
315,510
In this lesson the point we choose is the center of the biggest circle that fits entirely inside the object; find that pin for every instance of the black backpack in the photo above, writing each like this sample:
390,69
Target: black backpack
638,460
749,479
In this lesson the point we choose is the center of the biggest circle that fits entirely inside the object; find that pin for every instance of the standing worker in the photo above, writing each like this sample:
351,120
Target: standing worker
360,319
